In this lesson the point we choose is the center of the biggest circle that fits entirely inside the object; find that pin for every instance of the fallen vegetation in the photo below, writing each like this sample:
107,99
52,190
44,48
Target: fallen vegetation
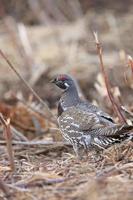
35,162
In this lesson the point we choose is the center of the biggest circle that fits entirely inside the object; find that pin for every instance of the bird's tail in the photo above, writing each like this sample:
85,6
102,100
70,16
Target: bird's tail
107,136
116,130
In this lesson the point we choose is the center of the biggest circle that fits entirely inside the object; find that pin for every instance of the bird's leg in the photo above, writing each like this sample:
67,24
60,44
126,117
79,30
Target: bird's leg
76,150
86,149
86,152
83,139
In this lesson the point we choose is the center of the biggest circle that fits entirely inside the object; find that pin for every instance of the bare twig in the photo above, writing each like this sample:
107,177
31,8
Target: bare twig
130,114
18,135
48,114
37,181
5,190
8,137
114,104
38,143
130,63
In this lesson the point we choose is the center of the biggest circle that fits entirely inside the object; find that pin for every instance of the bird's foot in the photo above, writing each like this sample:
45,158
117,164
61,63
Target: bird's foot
97,158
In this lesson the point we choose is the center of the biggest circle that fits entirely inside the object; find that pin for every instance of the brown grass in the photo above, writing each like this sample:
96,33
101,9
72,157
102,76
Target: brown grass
45,169
54,174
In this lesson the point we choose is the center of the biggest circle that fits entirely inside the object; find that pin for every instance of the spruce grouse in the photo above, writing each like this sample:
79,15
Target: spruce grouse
82,123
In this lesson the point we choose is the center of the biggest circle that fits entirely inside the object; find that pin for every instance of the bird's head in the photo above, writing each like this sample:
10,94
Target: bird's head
63,81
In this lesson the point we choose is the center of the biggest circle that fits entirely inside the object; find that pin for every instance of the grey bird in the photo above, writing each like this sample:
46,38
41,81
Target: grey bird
82,123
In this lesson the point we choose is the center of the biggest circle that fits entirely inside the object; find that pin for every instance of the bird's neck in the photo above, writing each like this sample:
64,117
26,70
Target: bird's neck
68,99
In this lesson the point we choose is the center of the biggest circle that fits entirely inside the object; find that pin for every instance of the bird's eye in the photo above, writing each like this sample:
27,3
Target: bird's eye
66,84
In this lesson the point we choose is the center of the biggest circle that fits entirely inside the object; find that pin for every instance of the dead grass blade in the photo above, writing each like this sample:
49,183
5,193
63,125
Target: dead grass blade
8,137
108,87
130,63
5,190
48,114
37,143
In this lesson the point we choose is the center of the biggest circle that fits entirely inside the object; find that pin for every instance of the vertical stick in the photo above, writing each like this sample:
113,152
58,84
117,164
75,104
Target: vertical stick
48,113
114,104
8,137
130,63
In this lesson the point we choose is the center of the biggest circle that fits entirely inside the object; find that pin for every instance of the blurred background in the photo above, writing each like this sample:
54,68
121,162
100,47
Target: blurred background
45,37
42,38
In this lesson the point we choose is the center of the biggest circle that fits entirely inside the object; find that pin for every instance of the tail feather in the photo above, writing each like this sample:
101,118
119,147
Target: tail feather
105,137
117,130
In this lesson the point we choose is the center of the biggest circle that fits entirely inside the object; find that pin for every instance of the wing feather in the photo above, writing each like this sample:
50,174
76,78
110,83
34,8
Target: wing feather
80,120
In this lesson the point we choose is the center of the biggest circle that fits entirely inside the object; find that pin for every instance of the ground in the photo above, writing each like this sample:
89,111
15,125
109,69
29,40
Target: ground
42,40
54,173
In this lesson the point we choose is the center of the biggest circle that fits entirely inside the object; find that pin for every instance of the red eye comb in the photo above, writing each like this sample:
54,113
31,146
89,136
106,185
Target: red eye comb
62,77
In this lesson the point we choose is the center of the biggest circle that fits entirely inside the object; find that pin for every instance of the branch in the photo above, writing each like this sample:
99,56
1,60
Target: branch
130,114
8,137
4,187
108,87
44,143
49,114
130,63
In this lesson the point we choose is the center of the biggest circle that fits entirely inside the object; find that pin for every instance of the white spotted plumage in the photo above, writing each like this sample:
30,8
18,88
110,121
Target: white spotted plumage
84,124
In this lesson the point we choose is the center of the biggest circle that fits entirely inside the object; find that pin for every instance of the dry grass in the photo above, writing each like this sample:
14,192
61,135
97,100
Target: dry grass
45,167
55,174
